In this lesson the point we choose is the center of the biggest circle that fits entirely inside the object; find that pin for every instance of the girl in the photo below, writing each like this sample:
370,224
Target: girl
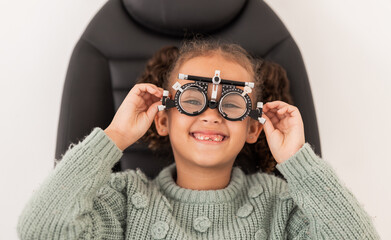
211,191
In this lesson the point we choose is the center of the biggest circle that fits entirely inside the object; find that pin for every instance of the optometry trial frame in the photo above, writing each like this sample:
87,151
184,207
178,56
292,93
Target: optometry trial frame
191,98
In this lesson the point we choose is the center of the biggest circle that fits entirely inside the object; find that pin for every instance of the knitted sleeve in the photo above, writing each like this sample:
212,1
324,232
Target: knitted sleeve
77,200
325,209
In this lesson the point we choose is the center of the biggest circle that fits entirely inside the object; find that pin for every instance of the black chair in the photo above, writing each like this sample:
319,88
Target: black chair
124,34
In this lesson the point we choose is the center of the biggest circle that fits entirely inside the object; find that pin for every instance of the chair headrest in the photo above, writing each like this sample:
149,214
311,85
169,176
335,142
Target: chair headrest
176,17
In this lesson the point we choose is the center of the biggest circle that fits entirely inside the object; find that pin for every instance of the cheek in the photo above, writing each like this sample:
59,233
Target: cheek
178,122
238,130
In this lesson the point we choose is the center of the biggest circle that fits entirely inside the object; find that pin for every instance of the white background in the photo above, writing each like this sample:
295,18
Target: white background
345,46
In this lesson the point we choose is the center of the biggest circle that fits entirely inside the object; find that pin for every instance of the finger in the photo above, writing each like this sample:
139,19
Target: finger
158,89
148,102
282,110
152,98
144,104
159,92
156,99
142,101
275,105
148,85
294,111
142,88
289,111
267,108
274,110
147,96
146,91
152,110
273,118
268,126
281,113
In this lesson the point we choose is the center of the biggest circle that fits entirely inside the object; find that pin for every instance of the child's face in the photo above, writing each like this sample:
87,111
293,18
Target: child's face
180,127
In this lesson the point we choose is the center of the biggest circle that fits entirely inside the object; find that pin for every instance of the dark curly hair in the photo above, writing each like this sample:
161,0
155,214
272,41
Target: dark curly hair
271,83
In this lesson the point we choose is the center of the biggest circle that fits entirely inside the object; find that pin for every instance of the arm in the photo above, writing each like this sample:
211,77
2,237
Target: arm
76,200
326,209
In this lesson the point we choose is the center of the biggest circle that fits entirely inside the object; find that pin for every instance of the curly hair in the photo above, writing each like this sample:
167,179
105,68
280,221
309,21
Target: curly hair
271,83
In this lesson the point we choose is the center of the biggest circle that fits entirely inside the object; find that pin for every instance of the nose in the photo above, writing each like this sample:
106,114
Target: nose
211,116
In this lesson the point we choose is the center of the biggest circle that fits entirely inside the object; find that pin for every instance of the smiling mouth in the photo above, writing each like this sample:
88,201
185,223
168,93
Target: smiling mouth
209,139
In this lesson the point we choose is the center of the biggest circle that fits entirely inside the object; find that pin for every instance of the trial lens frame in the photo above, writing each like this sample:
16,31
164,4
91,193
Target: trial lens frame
201,83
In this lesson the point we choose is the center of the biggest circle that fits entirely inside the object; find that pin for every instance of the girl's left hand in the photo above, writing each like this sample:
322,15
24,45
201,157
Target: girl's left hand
284,129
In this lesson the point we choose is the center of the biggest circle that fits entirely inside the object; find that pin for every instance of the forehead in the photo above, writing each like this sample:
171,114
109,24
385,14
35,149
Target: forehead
206,65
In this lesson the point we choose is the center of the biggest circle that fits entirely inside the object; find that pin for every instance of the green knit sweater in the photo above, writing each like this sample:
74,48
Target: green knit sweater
83,199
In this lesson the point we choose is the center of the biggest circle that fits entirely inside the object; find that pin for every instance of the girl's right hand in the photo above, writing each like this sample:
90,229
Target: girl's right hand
135,115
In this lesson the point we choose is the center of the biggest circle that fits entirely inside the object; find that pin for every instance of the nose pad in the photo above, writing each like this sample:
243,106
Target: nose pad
213,104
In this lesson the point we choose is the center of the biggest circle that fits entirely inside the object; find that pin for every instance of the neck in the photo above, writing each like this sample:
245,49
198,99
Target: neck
201,178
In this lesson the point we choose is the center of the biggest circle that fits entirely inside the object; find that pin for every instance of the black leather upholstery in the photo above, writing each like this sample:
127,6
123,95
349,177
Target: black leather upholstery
115,46
176,17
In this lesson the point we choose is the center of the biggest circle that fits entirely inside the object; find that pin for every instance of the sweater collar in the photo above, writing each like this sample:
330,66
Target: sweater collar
166,183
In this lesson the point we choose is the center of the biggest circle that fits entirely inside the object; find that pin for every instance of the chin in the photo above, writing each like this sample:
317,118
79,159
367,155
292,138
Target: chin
208,162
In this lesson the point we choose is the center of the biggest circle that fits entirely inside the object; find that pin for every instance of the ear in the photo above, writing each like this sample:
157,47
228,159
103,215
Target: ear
161,123
253,131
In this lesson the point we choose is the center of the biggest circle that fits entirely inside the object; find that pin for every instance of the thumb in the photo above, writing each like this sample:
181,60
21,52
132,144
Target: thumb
267,126
152,110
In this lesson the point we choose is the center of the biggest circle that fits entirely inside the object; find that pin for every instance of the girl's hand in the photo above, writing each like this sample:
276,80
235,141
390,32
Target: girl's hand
284,129
135,115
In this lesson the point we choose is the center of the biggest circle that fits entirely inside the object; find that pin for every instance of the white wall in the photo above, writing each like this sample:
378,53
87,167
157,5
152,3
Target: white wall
36,41
345,46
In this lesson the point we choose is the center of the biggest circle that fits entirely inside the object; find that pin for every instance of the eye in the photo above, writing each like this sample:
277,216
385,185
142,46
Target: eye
228,105
194,102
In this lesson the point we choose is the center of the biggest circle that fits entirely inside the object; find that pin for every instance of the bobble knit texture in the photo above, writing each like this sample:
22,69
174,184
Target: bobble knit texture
82,199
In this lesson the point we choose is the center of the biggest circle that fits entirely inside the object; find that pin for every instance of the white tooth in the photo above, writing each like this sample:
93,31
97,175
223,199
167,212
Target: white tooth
208,138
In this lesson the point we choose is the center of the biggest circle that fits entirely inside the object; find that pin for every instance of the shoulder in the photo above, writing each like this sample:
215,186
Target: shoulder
124,182
129,179
139,190
128,186
270,196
